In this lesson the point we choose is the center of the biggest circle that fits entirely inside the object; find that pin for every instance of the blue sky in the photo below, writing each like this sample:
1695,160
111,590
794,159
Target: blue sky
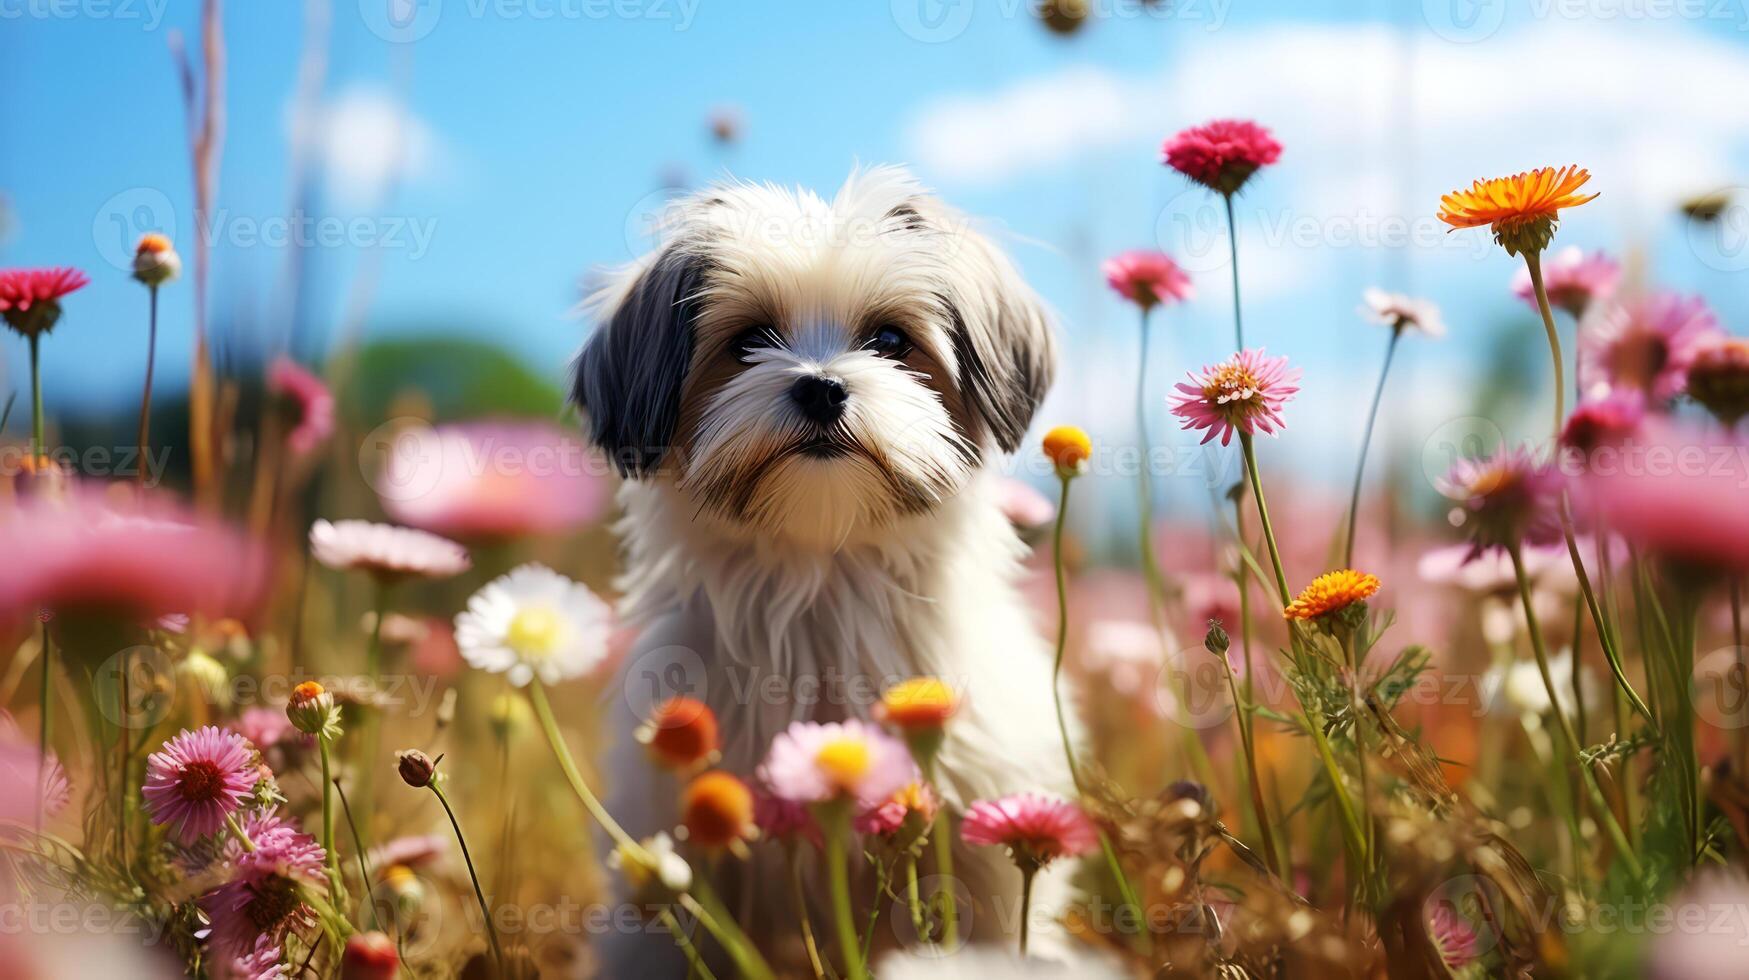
533,132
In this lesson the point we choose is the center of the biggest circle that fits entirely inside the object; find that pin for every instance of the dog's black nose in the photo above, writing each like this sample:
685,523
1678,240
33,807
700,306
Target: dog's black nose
821,399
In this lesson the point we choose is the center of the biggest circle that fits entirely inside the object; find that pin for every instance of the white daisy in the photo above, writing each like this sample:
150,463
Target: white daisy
1401,312
533,622
385,551
669,867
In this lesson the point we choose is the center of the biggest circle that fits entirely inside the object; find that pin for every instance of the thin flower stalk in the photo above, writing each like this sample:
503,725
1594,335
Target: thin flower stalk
1372,416
473,876
1533,263
1571,738
1156,585
1233,261
145,437
835,819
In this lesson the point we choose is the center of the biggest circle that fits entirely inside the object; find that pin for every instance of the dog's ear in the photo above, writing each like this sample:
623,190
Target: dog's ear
1002,338
629,376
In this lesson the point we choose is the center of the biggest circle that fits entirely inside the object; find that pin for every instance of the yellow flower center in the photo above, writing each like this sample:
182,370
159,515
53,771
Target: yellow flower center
843,761
535,632
1230,383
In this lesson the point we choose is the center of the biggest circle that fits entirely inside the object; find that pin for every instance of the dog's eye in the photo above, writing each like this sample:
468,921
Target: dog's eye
889,342
752,339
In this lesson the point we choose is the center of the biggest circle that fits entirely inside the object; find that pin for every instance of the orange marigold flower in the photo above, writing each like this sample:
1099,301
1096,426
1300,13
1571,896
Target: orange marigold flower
921,702
717,810
1520,210
681,733
1332,592
1068,448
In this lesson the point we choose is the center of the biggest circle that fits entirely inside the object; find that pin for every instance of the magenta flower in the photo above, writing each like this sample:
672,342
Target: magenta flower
1035,827
1646,344
1605,420
264,962
412,852
1507,499
1221,155
197,780
80,553
1147,278
1245,392
492,480
386,552
310,401
1572,280
1679,495
814,763
30,299
264,898
888,817
266,727
1452,936
781,820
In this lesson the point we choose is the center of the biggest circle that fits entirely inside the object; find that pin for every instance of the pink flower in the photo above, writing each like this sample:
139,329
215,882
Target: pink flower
1710,946
1646,344
1127,654
1146,278
1604,420
888,817
261,963
1672,496
412,852
492,480
264,727
387,552
22,778
1452,936
1207,596
781,820
1401,312
311,403
30,299
79,553
264,899
1572,279
1024,506
197,780
814,763
1507,499
1221,155
1245,392
1490,573
1035,827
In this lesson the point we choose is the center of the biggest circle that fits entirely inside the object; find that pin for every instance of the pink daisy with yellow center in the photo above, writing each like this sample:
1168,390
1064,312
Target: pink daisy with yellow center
197,780
1246,393
814,763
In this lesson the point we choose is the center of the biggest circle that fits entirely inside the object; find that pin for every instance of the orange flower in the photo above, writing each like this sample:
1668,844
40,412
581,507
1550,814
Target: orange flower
681,733
717,810
1521,210
1068,448
1332,592
921,702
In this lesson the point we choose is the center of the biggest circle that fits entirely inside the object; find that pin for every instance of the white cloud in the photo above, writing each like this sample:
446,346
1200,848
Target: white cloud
1654,110
361,140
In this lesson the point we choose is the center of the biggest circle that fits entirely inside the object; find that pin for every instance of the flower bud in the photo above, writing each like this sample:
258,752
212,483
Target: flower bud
681,733
312,711
1068,448
417,769
1215,640
155,261
717,810
369,956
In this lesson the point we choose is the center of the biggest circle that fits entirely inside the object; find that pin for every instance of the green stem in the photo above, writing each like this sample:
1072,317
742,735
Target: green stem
727,932
236,830
695,964
1250,454
1254,782
1533,262
334,883
837,825
1372,416
1026,876
801,903
1599,622
479,895
1233,256
942,839
358,850
38,445
46,727
1156,584
146,396
1604,811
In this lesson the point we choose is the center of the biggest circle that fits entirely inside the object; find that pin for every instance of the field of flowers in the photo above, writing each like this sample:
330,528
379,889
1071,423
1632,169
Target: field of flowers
335,706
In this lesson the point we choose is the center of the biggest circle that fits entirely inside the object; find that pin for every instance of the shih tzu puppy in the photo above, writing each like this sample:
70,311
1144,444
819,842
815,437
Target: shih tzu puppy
809,398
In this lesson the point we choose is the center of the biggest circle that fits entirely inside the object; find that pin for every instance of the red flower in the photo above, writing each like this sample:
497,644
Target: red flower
1221,155
1146,278
30,298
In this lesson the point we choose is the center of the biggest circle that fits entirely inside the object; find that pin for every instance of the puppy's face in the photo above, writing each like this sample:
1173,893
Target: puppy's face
810,368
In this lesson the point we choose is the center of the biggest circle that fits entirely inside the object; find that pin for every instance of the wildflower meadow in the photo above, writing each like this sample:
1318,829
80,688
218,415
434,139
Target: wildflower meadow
400,653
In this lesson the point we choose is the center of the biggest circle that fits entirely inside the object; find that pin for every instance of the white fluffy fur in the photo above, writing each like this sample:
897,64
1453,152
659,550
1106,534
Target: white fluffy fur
828,587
